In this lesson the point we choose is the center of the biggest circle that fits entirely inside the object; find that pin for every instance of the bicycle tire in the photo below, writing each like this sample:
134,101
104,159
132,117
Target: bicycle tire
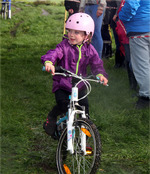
78,163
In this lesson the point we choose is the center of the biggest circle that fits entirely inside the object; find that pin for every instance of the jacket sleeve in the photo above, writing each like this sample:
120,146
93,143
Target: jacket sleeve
53,55
103,4
96,64
129,10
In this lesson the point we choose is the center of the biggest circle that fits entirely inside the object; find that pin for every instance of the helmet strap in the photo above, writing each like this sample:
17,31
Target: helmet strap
88,38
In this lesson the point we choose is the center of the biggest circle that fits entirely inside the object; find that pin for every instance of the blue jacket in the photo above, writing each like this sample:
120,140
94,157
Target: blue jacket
75,59
135,15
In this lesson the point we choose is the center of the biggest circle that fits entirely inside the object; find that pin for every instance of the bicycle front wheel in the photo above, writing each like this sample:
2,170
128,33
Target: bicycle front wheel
78,163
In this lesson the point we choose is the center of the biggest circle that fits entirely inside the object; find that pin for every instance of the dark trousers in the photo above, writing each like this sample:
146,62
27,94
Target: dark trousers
62,101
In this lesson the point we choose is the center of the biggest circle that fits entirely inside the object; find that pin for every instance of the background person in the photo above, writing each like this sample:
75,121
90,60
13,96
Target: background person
125,49
135,15
109,21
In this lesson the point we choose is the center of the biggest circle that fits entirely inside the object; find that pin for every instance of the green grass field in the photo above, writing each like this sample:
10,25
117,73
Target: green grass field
39,1
26,99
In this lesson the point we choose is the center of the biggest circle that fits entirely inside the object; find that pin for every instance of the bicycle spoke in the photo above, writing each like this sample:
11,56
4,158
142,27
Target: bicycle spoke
78,162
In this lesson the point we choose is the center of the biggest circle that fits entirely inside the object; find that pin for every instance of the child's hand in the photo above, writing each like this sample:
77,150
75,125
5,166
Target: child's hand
103,79
49,67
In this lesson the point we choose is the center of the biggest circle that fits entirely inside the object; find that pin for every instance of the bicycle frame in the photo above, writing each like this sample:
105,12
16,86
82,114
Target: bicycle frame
70,128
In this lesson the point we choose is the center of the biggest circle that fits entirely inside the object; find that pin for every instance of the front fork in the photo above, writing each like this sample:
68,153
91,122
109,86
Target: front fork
71,132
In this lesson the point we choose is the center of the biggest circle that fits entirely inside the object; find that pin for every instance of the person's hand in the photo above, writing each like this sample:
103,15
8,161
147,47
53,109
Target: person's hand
71,11
99,11
50,68
114,18
103,79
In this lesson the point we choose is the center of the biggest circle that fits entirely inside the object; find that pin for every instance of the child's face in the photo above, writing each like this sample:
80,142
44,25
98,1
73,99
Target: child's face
76,37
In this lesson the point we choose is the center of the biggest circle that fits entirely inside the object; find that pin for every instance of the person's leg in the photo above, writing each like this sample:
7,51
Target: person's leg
97,40
62,100
140,59
113,26
107,48
132,80
119,59
50,124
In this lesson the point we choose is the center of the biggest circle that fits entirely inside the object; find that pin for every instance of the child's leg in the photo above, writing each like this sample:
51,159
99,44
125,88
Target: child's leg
62,100
50,124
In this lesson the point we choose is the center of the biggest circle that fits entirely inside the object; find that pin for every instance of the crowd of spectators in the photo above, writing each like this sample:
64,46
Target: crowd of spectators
129,21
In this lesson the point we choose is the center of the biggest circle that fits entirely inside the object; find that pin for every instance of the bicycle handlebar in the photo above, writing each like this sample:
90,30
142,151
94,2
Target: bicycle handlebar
67,73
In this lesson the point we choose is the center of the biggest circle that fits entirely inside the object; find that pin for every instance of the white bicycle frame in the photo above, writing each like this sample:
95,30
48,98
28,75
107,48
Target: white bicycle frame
72,111
70,127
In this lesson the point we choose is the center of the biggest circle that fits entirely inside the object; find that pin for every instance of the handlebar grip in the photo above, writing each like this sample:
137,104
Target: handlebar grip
43,68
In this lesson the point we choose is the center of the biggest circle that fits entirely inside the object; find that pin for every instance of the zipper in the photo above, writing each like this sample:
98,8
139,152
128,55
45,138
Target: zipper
77,67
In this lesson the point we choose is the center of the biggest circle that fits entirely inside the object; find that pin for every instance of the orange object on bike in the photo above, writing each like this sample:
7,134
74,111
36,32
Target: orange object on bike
67,170
86,132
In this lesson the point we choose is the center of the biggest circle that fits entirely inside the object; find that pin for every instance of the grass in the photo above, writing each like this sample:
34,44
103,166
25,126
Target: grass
26,99
39,2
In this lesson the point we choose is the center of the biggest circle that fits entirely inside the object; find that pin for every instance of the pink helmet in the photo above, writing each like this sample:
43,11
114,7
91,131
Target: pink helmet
82,22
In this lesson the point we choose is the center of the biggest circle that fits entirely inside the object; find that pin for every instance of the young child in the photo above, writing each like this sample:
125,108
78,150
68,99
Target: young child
74,53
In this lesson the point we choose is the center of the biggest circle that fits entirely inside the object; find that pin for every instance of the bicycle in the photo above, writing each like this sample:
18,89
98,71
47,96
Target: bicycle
6,9
79,143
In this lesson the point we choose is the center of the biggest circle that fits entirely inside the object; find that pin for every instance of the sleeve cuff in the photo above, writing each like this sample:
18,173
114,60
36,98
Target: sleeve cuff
99,75
48,62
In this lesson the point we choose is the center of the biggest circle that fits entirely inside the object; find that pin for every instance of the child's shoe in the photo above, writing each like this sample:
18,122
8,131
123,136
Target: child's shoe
50,127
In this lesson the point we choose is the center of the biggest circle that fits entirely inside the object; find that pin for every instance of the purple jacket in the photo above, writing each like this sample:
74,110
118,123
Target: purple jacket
75,59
